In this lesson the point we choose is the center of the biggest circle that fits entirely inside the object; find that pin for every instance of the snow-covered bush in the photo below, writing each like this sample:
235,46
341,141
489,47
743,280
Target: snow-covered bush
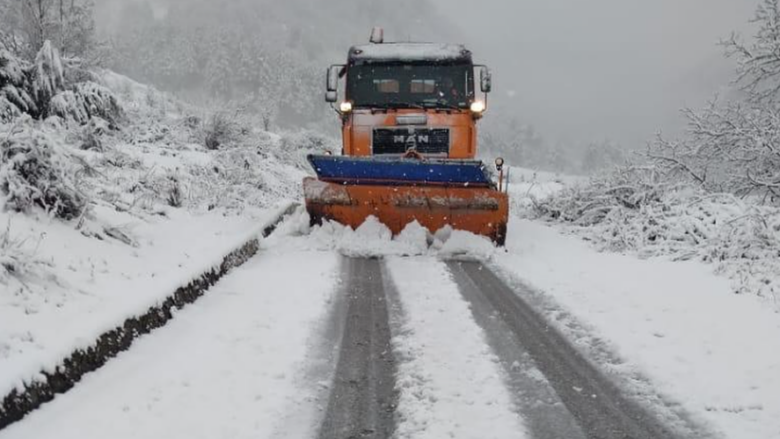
306,140
85,101
175,195
635,209
220,129
8,111
12,69
15,86
36,170
630,187
69,106
294,146
40,90
91,135
16,260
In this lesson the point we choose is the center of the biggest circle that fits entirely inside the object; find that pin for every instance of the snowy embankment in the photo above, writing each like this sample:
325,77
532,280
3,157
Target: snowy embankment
232,365
629,210
160,210
89,286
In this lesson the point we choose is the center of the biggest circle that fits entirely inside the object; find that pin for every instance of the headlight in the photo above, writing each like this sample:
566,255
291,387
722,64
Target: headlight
346,107
477,107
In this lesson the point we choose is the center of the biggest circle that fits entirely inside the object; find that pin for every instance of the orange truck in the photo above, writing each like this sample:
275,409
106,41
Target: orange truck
409,114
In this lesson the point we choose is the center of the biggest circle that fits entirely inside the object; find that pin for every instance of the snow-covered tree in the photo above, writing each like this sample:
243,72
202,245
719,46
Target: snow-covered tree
68,24
758,61
48,74
40,90
733,148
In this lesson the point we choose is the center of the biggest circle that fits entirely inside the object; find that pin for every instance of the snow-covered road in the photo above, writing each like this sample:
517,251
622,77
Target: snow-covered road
302,343
254,359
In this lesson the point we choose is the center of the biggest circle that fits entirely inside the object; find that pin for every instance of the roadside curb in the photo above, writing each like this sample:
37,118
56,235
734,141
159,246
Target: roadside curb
18,404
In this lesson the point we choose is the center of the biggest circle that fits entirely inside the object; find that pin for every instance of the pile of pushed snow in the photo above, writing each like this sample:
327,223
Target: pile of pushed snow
374,239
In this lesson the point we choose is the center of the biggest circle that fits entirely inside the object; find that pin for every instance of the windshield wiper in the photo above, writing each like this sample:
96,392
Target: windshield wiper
389,105
442,104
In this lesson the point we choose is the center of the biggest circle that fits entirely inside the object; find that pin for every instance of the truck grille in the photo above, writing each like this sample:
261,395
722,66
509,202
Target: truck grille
400,140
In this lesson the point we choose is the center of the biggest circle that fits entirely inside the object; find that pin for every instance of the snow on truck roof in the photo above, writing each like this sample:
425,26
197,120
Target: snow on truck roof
410,52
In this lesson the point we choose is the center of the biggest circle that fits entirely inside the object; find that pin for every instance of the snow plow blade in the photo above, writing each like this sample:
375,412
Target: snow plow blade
399,191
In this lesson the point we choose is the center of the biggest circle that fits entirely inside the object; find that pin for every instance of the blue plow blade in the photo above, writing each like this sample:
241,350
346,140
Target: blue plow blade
399,171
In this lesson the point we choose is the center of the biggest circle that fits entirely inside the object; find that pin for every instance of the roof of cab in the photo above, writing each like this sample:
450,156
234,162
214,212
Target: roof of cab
435,52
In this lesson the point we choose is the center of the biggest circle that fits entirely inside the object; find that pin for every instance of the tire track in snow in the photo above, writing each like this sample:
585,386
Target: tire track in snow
597,404
449,382
546,415
363,397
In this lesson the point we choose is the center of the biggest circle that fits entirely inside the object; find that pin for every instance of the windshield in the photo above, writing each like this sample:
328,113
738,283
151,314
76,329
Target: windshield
398,86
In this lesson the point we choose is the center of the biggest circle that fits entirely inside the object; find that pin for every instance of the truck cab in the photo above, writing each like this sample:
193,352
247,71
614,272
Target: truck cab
417,98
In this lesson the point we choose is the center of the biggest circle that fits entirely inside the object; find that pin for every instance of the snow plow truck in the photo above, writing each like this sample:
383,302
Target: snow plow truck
409,114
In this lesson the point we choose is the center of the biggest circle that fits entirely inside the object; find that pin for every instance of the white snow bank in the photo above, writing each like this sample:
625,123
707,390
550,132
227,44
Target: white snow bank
674,322
450,384
229,366
633,209
82,286
374,239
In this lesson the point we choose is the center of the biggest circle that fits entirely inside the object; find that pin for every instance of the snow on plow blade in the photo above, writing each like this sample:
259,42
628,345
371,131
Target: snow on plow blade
399,191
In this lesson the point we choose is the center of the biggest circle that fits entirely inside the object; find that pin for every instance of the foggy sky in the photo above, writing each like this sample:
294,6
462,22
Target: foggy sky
584,70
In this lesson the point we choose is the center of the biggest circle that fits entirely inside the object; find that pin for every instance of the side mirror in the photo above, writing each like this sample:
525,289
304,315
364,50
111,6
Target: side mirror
485,80
332,83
